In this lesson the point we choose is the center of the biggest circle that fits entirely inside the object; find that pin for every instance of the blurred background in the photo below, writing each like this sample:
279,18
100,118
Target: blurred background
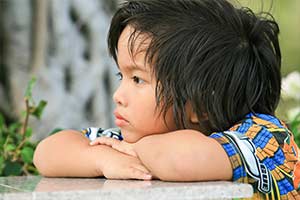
63,44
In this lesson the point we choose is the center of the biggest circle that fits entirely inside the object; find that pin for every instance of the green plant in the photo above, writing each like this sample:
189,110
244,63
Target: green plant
16,148
295,128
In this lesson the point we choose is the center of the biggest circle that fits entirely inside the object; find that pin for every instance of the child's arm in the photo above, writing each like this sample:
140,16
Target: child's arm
68,154
184,155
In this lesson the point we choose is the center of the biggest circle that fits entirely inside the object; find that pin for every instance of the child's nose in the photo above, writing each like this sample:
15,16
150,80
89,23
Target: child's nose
119,97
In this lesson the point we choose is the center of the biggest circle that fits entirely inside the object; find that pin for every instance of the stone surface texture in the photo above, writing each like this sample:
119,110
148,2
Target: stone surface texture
37,187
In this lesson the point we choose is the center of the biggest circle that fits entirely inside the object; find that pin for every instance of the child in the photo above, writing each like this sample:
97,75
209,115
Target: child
199,85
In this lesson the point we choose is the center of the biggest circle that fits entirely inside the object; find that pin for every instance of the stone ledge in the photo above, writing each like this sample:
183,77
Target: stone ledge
40,188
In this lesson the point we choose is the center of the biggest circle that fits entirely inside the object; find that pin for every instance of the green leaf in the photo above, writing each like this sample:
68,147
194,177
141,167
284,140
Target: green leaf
27,154
17,138
13,128
2,141
12,168
28,91
295,125
32,170
1,165
38,111
10,147
28,132
2,122
30,144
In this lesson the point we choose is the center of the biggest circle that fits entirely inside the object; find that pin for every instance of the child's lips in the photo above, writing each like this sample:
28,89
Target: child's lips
120,120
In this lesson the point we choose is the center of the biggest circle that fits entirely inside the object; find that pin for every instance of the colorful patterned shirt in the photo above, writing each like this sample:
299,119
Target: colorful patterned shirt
263,153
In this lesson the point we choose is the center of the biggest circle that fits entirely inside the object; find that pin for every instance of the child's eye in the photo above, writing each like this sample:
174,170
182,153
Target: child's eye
119,76
137,80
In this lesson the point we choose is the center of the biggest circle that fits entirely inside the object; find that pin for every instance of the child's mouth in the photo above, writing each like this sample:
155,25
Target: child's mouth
120,120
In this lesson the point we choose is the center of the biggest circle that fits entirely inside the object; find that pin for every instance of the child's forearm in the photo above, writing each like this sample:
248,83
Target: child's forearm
68,153
184,155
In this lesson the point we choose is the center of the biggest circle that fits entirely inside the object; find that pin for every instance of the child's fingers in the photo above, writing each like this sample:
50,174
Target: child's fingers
136,173
102,140
105,140
96,141
142,168
115,144
129,173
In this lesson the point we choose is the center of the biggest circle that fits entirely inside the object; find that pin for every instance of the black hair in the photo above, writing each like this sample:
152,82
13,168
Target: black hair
222,59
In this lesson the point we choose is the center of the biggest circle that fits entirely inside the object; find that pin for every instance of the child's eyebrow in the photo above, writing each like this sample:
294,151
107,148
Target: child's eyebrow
134,67
139,67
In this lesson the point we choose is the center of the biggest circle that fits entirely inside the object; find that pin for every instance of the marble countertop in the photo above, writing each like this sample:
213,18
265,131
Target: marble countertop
37,187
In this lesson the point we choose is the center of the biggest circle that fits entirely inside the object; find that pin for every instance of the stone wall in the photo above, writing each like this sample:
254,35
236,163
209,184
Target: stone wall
63,44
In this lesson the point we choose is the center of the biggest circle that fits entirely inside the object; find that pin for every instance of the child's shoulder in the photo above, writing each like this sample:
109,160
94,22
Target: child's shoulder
262,151
264,129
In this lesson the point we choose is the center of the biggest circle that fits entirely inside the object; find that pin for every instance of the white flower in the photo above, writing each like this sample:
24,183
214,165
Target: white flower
291,86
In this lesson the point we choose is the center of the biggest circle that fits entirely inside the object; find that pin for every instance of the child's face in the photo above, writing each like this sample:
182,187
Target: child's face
135,97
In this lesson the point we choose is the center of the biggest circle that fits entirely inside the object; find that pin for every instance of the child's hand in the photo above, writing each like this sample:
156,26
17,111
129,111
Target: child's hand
118,145
121,166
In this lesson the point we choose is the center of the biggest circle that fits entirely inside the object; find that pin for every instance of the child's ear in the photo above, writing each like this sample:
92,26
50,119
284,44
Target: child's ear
192,116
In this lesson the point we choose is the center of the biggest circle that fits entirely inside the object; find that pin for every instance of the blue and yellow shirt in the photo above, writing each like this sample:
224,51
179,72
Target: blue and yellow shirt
263,153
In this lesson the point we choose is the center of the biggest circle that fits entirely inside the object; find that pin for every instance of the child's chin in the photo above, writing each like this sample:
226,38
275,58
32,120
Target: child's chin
128,137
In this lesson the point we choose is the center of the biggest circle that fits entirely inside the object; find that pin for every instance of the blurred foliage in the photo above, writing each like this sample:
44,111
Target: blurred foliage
287,15
16,148
295,128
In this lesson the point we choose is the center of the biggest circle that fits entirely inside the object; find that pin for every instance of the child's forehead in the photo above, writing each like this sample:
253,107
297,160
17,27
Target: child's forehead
133,41
132,49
